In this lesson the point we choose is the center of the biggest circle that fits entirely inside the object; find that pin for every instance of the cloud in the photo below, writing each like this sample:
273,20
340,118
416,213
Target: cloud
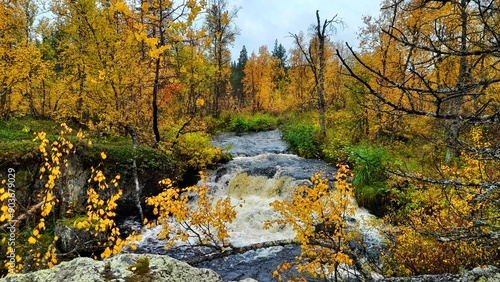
261,22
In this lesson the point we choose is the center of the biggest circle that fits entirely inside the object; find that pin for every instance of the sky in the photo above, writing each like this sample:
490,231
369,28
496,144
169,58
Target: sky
261,22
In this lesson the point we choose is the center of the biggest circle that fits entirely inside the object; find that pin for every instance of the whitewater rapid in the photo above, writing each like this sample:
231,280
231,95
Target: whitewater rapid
261,171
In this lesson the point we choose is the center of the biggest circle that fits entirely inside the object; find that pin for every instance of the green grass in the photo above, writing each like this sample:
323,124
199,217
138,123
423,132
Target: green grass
17,129
18,148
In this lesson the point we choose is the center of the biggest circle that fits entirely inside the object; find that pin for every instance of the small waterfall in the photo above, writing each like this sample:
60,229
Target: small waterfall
261,172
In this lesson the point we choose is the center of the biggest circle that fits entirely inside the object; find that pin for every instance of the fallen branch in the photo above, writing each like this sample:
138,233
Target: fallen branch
239,250
28,213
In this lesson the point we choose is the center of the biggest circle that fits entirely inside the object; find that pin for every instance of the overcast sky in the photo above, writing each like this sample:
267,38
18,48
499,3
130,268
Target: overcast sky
261,22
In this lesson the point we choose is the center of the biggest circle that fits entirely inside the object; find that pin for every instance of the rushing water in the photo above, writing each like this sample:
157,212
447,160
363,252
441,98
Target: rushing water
261,172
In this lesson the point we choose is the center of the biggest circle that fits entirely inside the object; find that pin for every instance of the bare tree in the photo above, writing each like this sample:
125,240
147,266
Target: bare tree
219,24
315,56
440,59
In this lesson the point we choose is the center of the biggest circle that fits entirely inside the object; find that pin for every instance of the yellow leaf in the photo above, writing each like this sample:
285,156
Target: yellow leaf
32,240
103,155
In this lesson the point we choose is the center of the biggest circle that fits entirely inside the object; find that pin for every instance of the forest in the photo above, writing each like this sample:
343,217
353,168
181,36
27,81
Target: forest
132,91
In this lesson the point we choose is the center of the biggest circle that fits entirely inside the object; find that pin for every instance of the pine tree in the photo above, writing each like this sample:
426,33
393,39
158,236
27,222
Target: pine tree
237,76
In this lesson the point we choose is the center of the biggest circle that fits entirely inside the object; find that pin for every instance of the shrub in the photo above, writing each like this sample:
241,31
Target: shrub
335,151
303,139
369,175
195,150
415,254
258,122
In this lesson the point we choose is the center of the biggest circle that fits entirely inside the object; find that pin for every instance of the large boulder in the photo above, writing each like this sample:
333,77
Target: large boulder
120,268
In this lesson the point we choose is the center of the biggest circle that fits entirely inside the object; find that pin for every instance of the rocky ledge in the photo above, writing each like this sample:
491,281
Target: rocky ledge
161,268
121,268
478,274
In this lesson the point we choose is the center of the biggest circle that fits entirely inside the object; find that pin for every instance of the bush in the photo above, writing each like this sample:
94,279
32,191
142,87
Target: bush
369,175
195,150
335,151
258,122
304,139
415,254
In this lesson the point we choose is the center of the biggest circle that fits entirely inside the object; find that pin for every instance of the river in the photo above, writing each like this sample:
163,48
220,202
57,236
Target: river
262,171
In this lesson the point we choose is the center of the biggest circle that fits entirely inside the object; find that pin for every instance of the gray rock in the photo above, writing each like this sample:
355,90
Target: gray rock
161,269
72,239
478,274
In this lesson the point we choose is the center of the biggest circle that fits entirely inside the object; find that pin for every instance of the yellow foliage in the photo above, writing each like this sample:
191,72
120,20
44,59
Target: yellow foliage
31,240
416,254
317,214
101,213
444,234
205,221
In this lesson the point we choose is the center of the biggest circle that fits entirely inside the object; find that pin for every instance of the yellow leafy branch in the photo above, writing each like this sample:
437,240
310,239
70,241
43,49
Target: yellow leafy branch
206,221
317,214
101,213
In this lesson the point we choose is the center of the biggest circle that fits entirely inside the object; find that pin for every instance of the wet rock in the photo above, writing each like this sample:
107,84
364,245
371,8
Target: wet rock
72,239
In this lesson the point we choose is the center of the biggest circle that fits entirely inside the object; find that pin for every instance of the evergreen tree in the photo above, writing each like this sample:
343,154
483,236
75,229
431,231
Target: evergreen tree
280,77
279,52
237,75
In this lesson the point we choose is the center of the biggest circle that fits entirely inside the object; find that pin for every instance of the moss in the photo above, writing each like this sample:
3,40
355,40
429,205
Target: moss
72,221
106,274
18,153
142,265
140,270
120,158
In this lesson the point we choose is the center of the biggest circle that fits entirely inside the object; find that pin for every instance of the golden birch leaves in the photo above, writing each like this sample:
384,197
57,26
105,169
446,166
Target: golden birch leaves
318,216
206,221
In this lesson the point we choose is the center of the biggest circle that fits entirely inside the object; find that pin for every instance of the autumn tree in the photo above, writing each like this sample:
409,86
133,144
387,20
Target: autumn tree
301,87
222,32
161,25
280,76
188,91
22,68
104,83
318,216
315,56
206,222
435,66
257,82
434,61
